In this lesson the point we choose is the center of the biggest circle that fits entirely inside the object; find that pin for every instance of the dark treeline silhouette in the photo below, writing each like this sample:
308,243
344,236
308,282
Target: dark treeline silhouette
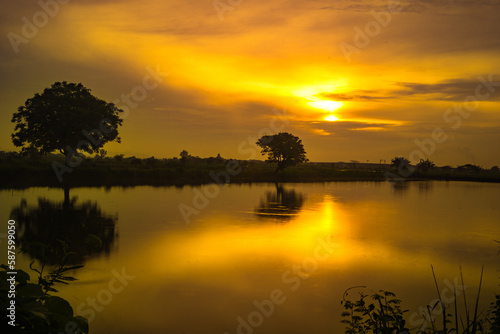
23,171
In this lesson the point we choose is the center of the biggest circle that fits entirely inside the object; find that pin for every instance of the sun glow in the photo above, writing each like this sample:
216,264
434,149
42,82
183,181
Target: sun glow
326,105
314,98
331,118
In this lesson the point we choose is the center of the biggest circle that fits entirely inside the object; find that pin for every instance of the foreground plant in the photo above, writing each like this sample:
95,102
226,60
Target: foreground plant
36,310
384,315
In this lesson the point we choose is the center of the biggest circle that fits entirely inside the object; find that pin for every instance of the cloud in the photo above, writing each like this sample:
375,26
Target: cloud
447,90
419,6
353,96
342,128
227,76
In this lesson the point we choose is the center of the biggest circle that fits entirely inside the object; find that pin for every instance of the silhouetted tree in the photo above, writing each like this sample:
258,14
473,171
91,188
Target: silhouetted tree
425,165
65,117
399,161
118,157
101,154
152,161
283,148
184,155
470,168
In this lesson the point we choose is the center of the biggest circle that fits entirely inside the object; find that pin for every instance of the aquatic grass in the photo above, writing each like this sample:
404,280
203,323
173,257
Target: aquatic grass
465,299
456,307
475,322
443,307
386,316
472,326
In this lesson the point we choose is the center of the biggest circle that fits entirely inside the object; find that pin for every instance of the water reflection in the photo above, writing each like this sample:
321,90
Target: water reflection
86,230
280,204
425,186
400,187
214,268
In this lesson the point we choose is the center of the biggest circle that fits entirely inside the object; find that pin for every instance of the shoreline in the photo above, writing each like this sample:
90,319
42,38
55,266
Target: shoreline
106,174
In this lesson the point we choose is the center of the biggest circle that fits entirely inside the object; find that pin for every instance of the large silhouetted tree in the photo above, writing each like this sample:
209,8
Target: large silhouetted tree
283,148
65,117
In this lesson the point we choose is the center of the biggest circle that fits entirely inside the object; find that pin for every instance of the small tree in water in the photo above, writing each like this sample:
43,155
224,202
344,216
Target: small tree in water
283,148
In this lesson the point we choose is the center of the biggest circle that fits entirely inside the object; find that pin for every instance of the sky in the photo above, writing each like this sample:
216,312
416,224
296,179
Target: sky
353,79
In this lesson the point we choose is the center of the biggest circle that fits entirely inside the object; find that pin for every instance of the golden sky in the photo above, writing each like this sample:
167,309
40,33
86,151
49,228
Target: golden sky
354,79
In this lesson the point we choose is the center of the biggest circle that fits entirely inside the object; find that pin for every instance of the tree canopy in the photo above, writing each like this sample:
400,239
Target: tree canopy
425,165
65,117
399,161
283,148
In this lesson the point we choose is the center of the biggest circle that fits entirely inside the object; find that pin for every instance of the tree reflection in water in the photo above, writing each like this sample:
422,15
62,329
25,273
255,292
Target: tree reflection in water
280,205
83,227
400,187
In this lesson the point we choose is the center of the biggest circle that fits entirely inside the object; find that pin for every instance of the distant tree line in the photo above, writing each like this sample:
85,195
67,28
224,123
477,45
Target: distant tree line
67,118
428,165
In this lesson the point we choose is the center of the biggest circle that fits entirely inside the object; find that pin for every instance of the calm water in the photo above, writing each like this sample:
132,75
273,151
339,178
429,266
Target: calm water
275,258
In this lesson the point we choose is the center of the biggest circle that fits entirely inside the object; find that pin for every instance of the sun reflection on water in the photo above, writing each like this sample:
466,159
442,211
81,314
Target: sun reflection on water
226,246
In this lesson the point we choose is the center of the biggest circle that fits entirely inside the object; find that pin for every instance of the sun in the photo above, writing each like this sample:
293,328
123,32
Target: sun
312,94
315,99
328,106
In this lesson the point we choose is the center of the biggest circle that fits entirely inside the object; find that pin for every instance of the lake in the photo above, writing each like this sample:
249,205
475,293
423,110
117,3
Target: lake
265,258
